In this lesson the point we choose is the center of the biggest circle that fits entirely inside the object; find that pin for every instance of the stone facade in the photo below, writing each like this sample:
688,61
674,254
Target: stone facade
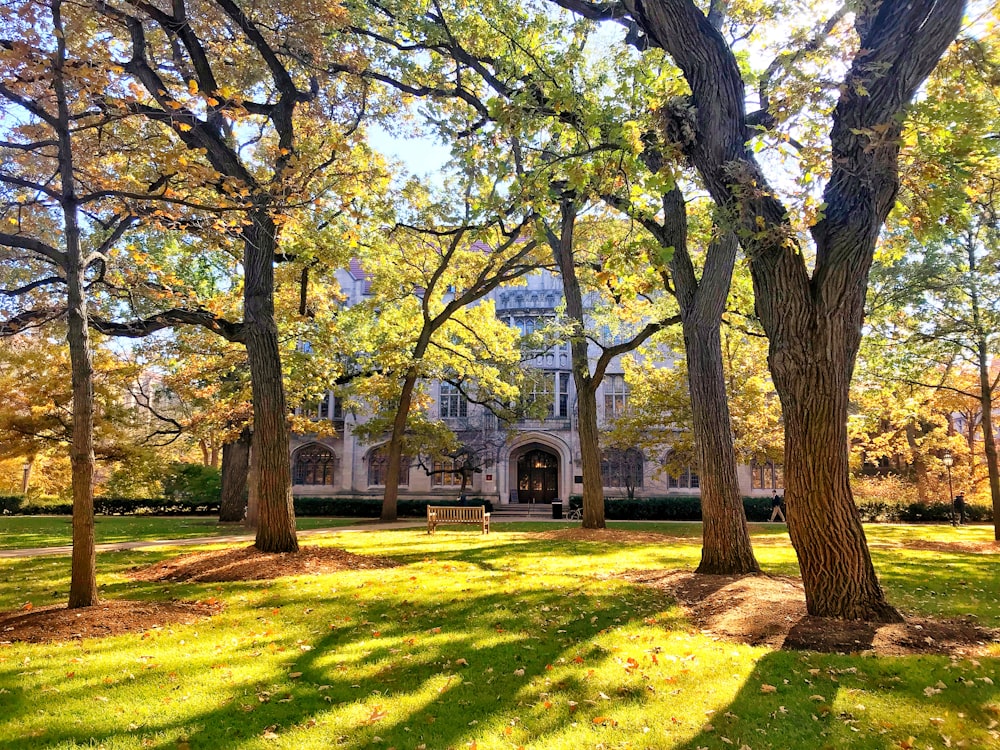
539,460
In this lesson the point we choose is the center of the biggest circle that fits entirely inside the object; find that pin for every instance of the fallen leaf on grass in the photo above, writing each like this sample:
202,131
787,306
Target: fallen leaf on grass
768,689
377,715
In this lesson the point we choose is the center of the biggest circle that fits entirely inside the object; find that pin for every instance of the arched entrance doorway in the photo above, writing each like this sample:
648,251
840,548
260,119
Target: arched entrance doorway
537,476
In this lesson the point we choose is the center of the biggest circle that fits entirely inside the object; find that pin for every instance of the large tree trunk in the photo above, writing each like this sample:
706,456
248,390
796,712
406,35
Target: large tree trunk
395,447
823,522
726,547
235,471
276,525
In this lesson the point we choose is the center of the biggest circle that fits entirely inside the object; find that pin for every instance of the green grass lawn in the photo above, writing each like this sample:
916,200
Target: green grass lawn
497,642
24,532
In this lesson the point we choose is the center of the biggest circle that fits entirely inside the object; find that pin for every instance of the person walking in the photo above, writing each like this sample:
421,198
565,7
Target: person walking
776,510
959,510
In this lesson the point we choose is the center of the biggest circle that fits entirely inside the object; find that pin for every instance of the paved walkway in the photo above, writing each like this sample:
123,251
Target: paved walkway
67,549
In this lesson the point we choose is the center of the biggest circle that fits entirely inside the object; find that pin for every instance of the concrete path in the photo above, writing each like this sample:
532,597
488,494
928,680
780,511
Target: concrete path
67,549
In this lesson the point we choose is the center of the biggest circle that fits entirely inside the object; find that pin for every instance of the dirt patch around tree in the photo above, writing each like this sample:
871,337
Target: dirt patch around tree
108,618
771,610
249,564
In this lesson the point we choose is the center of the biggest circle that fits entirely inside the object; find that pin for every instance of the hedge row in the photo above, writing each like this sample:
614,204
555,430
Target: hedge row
671,508
352,507
371,507
688,508
108,506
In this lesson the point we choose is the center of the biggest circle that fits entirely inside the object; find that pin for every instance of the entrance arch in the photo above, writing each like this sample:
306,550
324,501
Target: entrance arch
538,475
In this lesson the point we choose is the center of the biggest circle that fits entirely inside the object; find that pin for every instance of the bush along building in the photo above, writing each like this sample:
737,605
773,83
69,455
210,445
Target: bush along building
534,459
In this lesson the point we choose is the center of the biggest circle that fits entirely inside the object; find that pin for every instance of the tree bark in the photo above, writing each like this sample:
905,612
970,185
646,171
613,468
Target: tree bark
586,386
276,525
813,321
83,576
235,472
395,447
29,464
726,548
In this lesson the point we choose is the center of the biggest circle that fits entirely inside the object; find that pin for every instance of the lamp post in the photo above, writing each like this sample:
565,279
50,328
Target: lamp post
948,460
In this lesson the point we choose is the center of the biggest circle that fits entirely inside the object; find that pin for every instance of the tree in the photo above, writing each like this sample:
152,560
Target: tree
426,284
813,320
58,223
587,381
524,93
249,109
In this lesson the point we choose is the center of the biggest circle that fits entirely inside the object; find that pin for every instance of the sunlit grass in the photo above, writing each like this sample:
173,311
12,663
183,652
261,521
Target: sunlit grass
499,641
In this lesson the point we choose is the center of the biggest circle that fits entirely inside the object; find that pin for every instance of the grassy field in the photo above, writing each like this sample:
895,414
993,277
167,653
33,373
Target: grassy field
23,532
498,642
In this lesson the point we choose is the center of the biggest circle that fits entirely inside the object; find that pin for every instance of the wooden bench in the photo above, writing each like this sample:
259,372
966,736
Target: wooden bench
457,514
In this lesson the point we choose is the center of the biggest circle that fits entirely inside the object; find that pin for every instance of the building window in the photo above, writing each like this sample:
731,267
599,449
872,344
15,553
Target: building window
378,464
766,476
337,414
553,389
615,396
443,474
314,464
687,479
622,468
452,402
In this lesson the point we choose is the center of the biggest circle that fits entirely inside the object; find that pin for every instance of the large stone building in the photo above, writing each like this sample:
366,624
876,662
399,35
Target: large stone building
538,460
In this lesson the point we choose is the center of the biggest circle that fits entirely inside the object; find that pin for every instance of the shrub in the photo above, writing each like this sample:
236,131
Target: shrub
192,483
670,508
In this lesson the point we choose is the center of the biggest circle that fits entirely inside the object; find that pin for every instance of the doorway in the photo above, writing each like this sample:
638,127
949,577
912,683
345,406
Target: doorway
537,477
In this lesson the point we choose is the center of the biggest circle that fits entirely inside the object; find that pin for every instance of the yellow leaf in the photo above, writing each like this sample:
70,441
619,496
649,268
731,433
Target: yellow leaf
183,126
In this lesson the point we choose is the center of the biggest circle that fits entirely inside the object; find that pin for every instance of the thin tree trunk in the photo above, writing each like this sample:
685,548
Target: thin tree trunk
276,526
83,577
989,439
29,464
395,447
203,446
985,391
586,387
919,464
590,446
726,547
253,496
235,471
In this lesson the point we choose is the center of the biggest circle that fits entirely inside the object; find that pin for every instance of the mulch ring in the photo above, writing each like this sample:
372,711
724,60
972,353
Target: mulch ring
771,610
107,618
249,564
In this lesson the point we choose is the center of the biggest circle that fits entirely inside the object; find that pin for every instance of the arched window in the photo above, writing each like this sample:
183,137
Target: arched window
314,464
622,468
378,464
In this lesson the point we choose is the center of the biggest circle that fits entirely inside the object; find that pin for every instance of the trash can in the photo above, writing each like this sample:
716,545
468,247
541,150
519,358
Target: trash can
557,509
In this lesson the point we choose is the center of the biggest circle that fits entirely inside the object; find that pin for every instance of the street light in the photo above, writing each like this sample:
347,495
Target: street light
948,460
